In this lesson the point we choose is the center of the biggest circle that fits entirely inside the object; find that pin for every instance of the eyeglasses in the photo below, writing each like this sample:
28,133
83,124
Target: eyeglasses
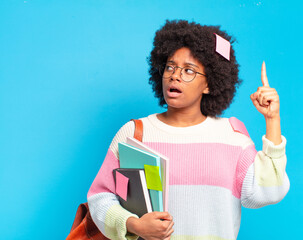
187,73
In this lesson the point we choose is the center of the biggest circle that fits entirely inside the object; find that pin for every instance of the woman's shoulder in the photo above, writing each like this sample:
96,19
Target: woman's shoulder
232,123
127,130
233,128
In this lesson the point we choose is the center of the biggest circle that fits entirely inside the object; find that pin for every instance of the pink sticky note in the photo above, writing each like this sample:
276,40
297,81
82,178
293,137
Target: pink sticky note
238,126
121,185
222,47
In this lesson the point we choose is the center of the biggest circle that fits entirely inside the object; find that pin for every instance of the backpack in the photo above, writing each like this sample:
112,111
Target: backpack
83,227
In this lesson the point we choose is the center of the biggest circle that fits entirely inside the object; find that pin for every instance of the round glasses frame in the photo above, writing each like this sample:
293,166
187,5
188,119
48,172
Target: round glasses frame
162,71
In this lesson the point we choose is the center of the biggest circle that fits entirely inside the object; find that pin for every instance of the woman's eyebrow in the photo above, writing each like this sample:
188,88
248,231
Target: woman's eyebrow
192,65
171,62
187,63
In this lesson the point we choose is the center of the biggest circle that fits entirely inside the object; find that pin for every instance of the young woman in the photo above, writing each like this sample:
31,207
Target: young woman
214,166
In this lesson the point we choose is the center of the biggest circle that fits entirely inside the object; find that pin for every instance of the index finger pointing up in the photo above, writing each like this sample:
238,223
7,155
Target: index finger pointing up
264,76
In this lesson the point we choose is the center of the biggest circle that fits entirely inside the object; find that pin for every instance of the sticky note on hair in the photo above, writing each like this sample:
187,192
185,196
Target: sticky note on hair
153,180
222,47
121,185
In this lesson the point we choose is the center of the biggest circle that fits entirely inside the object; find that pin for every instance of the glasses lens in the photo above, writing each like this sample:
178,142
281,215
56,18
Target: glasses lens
167,71
188,74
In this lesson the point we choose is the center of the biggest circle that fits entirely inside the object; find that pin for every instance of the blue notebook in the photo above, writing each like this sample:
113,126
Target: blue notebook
132,157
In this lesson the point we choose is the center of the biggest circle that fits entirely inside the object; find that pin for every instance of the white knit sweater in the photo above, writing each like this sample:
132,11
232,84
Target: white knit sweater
214,170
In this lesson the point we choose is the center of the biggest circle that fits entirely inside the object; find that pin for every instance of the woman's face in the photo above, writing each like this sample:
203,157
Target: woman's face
189,94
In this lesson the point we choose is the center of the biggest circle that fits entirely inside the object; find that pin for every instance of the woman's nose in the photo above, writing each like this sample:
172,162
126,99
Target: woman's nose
177,74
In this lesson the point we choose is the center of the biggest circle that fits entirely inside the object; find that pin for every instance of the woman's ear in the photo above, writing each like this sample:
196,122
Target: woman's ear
206,90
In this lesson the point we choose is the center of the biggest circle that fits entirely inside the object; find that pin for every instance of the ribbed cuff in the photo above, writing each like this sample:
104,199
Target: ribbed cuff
272,150
131,236
121,215
128,235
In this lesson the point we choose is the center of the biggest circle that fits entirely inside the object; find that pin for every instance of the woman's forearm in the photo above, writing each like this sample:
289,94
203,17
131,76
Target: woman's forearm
273,130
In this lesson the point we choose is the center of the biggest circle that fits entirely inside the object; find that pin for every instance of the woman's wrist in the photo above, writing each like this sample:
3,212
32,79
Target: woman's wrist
273,118
273,130
131,225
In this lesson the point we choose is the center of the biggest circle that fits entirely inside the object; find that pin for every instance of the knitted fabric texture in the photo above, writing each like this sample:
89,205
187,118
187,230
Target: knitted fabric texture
214,170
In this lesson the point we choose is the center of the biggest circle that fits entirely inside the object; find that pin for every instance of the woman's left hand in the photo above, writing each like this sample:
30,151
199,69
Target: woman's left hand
266,99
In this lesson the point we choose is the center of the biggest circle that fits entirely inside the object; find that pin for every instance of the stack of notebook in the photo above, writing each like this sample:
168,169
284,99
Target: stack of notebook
142,179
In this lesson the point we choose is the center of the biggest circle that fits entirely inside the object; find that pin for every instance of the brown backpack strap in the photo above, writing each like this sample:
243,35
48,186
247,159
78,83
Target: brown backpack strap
138,129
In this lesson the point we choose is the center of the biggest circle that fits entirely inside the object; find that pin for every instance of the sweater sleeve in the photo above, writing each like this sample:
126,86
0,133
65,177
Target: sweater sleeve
265,181
107,213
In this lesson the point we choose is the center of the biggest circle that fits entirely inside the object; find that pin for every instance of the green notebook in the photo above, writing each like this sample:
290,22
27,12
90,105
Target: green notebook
132,157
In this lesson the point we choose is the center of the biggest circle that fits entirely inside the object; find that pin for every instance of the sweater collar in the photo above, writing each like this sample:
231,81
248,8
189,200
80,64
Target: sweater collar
182,130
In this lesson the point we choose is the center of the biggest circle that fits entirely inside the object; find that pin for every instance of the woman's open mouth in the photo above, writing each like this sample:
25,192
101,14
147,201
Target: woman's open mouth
173,92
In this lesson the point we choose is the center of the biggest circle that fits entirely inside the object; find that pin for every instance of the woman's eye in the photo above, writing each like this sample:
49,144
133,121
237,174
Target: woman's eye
189,71
169,68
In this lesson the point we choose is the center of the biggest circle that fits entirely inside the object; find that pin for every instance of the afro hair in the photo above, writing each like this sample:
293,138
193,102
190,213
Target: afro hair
222,75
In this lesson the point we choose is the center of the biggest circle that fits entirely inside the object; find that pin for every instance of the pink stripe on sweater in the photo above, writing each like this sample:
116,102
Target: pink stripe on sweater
104,181
247,158
205,164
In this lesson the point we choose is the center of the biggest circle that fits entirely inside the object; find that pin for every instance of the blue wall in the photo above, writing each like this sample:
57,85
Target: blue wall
73,72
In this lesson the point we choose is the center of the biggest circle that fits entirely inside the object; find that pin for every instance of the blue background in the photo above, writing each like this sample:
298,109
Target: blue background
73,72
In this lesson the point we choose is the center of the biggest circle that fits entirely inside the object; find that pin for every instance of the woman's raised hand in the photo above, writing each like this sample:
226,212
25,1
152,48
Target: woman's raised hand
266,99
152,226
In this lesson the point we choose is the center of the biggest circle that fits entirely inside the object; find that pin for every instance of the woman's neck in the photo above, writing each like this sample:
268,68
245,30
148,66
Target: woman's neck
181,118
